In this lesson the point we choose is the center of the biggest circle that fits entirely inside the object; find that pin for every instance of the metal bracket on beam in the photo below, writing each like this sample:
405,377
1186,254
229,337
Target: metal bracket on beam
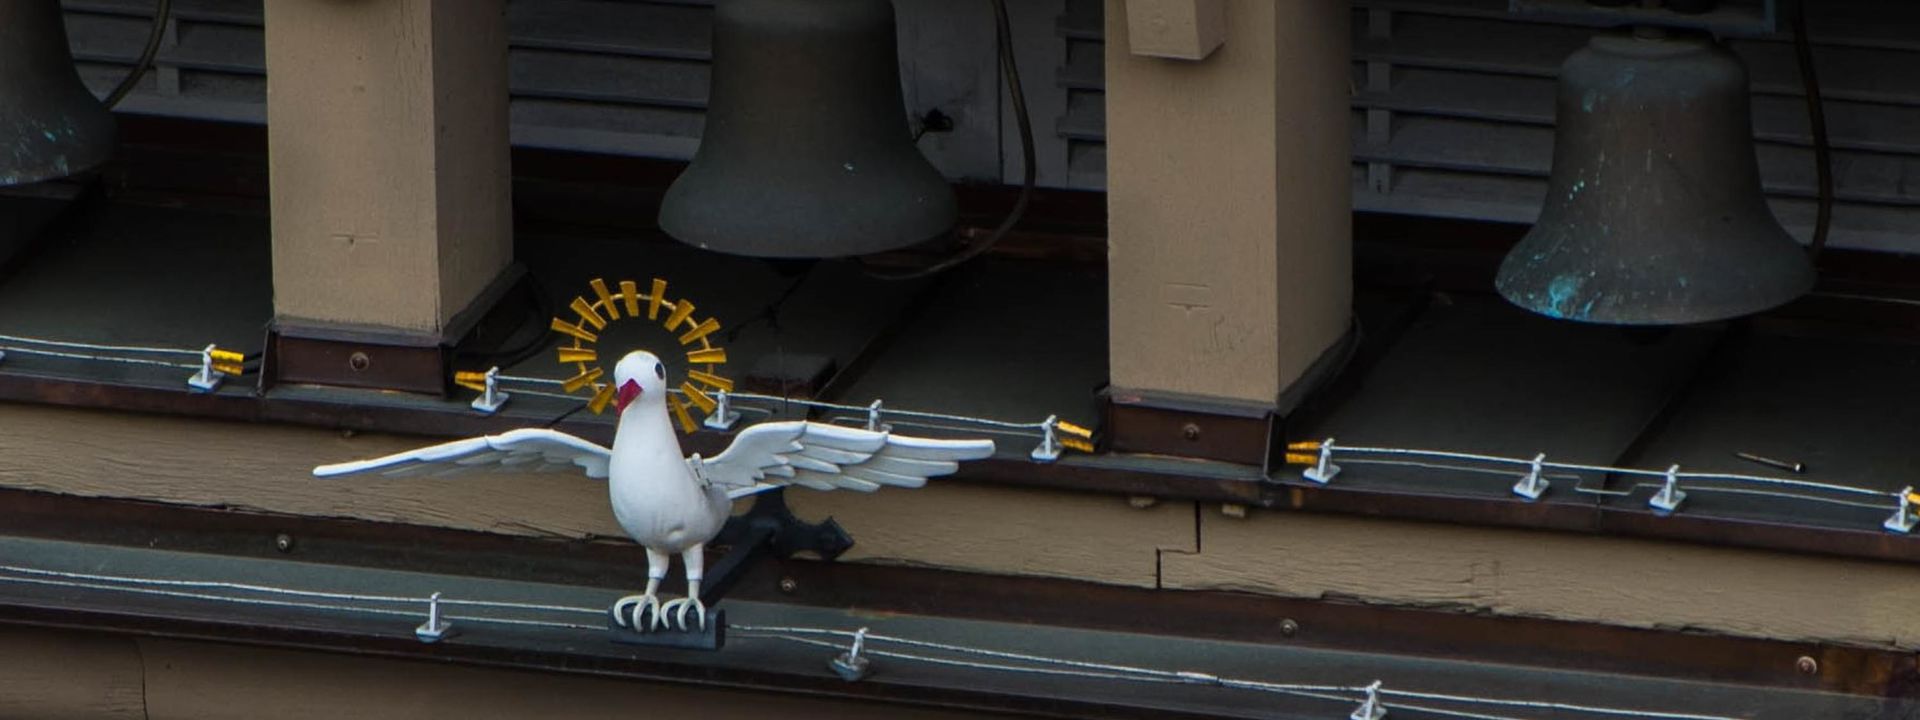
768,529
1533,484
1670,495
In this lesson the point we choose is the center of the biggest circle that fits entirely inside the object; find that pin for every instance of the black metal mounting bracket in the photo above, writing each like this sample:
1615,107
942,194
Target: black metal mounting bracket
768,529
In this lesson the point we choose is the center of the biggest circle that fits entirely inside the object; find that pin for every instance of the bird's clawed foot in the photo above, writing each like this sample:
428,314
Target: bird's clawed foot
678,609
633,612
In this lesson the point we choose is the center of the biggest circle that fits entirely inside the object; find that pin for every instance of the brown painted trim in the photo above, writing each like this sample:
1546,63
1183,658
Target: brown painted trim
939,593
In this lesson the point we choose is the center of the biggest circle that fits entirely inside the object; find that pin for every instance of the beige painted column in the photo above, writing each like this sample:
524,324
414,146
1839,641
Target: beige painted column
387,136
1229,202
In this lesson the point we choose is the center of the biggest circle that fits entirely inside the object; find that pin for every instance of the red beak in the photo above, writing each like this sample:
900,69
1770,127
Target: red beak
628,392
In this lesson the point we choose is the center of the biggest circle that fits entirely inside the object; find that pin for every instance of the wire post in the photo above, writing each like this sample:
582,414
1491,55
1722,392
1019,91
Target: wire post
491,398
1533,484
849,665
1670,495
1904,516
1049,449
873,418
723,416
208,379
436,628
1324,470
1371,708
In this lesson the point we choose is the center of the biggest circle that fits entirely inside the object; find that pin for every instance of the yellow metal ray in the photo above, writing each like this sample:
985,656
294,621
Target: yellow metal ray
606,298
471,379
707,356
578,355
583,334
630,291
601,399
587,314
710,380
680,412
1072,429
702,330
698,396
573,384
682,309
659,296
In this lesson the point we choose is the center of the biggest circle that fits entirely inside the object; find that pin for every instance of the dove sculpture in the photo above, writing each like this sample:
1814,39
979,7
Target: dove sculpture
669,503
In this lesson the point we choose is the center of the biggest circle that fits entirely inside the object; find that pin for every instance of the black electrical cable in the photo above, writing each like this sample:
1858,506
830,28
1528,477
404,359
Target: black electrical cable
162,10
1010,72
1817,119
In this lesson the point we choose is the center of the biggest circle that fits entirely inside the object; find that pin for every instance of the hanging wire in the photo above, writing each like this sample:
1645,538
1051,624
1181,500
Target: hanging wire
1817,121
1010,73
162,12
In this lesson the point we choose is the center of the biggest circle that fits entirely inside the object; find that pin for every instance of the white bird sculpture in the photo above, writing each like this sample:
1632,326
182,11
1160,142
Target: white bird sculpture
674,504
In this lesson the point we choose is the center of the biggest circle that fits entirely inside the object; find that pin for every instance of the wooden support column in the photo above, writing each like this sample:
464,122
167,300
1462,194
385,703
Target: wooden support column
1230,220
387,132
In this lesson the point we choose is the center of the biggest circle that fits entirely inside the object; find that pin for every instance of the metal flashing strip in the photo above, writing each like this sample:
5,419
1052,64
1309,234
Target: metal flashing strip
1005,666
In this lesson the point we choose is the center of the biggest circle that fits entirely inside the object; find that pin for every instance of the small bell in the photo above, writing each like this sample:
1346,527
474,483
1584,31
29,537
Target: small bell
1654,213
806,151
50,125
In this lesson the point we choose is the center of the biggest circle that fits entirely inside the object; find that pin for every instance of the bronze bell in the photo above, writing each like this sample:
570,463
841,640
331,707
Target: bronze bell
1654,213
50,125
806,152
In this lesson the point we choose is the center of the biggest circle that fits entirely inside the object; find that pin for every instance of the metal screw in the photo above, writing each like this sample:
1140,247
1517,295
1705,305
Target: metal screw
283,542
1190,431
1807,665
1288,627
1142,502
789,585
359,361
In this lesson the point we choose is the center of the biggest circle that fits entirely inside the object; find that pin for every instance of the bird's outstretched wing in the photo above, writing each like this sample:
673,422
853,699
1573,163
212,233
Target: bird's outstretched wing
524,450
829,457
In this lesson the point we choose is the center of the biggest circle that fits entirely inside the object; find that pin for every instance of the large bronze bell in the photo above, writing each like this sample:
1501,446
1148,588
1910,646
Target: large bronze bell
806,152
50,125
1654,213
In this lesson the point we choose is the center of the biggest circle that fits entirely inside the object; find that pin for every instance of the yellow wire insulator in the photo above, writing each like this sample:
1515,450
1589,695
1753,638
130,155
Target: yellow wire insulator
471,379
1913,497
226,356
1076,444
1072,429
1302,459
1305,445
229,368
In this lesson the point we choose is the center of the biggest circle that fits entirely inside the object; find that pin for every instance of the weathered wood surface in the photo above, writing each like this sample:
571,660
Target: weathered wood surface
1554,575
1007,531
1014,531
267,468
50,675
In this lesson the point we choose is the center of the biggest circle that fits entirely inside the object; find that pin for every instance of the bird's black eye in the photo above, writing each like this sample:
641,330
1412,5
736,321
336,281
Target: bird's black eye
660,371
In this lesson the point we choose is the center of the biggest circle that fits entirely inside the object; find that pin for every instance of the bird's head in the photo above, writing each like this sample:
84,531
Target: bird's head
639,378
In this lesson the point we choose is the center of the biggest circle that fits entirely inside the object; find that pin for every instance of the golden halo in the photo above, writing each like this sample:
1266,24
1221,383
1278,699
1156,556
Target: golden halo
595,315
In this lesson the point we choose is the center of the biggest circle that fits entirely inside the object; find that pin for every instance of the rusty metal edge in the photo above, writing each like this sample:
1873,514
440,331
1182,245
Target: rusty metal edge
1238,617
1331,624
637,667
